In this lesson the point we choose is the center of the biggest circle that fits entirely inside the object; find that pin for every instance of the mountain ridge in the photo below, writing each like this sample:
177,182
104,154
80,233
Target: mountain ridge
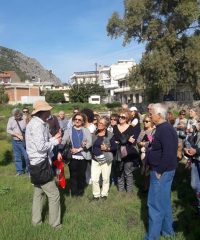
26,67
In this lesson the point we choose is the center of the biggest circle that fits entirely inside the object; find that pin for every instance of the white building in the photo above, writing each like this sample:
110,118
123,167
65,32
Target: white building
113,79
84,77
109,76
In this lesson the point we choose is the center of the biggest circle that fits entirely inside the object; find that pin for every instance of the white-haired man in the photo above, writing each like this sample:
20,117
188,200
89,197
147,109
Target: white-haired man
162,159
63,122
16,128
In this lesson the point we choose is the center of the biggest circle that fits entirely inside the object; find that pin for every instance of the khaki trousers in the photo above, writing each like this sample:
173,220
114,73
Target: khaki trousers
96,171
53,195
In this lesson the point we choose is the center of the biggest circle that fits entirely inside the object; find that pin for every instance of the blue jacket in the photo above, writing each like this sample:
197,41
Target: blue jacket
162,155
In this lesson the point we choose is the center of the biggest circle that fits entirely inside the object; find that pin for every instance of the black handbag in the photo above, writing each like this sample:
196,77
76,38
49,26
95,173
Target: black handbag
182,134
66,154
41,173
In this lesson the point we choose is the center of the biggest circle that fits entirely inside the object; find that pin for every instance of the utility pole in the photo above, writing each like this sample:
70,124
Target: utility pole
96,64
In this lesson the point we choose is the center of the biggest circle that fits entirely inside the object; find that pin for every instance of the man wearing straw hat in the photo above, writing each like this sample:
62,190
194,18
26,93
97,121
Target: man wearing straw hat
39,148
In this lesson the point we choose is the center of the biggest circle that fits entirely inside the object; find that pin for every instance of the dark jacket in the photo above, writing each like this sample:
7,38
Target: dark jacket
110,141
162,156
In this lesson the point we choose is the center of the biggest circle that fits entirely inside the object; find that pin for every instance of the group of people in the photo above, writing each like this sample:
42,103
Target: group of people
105,149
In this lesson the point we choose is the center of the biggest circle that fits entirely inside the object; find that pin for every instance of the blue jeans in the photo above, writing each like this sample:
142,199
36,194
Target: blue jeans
195,180
19,153
159,204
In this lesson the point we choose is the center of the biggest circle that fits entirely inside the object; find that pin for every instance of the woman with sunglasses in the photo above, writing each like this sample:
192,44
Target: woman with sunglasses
96,119
80,141
114,118
102,156
127,155
26,115
144,142
180,126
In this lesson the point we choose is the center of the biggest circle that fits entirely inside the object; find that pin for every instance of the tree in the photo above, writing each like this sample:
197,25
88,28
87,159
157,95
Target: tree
81,92
54,97
171,31
3,96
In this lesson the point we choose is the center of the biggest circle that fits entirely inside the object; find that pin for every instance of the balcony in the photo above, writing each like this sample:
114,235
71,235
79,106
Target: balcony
122,89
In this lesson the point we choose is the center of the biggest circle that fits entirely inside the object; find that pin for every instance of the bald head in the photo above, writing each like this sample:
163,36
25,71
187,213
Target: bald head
61,114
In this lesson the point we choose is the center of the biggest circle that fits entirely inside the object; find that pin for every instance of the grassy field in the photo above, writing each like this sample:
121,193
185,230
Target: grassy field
121,217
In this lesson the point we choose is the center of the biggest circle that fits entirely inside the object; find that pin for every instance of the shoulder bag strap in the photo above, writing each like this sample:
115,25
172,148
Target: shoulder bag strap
19,127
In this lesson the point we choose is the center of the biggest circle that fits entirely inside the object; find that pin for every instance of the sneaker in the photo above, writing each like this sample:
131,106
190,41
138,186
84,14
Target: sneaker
95,199
18,174
58,227
36,224
104,198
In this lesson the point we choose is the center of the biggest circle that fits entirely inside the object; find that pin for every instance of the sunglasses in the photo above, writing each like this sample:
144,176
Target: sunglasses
78,119
25,111
100,123
113,119
146,121
122,117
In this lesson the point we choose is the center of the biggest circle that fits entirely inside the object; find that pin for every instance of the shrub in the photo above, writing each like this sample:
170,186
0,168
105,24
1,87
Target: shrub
55,97
113,105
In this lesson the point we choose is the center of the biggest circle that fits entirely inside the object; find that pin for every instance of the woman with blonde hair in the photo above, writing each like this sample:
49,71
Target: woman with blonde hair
127,155
144,142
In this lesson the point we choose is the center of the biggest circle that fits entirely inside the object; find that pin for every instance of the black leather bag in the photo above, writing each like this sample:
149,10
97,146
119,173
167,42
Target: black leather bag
66,154
182,134
41,173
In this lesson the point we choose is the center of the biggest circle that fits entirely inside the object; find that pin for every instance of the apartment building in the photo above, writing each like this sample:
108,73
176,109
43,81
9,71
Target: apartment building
110,77
85,77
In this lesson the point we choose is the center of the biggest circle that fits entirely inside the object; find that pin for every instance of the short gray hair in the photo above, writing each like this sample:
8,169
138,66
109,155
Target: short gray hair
106,119
17,111
160,109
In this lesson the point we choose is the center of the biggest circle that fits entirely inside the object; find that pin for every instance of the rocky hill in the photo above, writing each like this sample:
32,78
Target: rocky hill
27,68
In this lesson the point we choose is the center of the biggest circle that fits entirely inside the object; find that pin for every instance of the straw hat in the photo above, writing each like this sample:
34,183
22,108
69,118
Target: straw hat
40,106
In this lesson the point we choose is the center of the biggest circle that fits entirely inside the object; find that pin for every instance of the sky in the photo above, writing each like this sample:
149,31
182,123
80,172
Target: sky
65,36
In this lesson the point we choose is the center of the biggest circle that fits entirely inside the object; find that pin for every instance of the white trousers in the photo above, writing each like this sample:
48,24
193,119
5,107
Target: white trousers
96,171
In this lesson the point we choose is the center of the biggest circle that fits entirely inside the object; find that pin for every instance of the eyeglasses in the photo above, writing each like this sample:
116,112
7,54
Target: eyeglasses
113,119
78,119
122,117
146,121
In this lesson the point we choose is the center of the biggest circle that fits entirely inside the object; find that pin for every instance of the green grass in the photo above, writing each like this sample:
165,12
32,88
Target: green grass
121,217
